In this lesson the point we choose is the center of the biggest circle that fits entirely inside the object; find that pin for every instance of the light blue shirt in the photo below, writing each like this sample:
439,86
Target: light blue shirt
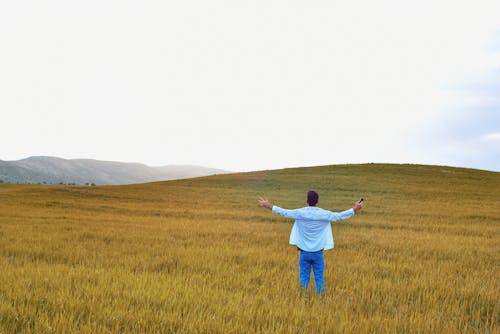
312,230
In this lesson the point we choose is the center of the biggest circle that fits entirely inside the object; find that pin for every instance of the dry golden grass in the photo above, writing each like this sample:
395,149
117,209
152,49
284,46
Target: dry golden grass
199,256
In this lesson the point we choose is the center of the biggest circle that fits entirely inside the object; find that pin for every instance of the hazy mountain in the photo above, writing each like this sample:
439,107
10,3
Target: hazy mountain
52,170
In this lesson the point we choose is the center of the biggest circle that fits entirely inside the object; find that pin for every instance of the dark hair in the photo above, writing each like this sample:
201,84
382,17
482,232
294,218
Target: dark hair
312,198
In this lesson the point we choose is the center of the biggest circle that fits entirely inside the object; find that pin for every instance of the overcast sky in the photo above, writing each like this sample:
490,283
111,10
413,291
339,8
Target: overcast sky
250,85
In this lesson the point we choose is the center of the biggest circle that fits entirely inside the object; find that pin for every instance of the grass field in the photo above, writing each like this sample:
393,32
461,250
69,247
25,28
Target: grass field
199,255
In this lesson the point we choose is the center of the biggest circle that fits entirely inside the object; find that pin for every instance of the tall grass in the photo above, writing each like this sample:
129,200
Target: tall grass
199,256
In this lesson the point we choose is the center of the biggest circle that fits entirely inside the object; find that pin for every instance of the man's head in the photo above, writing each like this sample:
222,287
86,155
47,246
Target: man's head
312,198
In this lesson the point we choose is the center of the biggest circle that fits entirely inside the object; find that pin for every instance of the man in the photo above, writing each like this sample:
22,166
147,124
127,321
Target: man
312,233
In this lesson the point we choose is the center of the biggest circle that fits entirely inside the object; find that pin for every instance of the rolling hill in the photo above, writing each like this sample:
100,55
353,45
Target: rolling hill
199,255
52,170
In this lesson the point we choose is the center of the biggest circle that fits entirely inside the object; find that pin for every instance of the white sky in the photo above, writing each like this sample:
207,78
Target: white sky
248,85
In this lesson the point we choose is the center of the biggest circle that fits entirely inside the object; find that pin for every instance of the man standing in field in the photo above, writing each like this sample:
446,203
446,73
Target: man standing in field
312,233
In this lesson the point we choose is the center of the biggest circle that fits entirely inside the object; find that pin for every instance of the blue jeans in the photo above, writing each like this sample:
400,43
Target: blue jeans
316,261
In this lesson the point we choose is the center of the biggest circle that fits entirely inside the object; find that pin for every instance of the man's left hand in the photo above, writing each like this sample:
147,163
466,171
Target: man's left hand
265,203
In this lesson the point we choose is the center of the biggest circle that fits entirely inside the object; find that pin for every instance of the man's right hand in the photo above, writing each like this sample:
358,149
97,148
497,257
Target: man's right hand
358,206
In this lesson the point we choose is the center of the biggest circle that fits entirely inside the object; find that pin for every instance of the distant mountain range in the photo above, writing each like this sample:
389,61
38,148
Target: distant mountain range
52,170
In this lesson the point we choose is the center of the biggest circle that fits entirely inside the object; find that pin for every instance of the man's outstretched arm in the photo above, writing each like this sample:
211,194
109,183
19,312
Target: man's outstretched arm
293,214
334,216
